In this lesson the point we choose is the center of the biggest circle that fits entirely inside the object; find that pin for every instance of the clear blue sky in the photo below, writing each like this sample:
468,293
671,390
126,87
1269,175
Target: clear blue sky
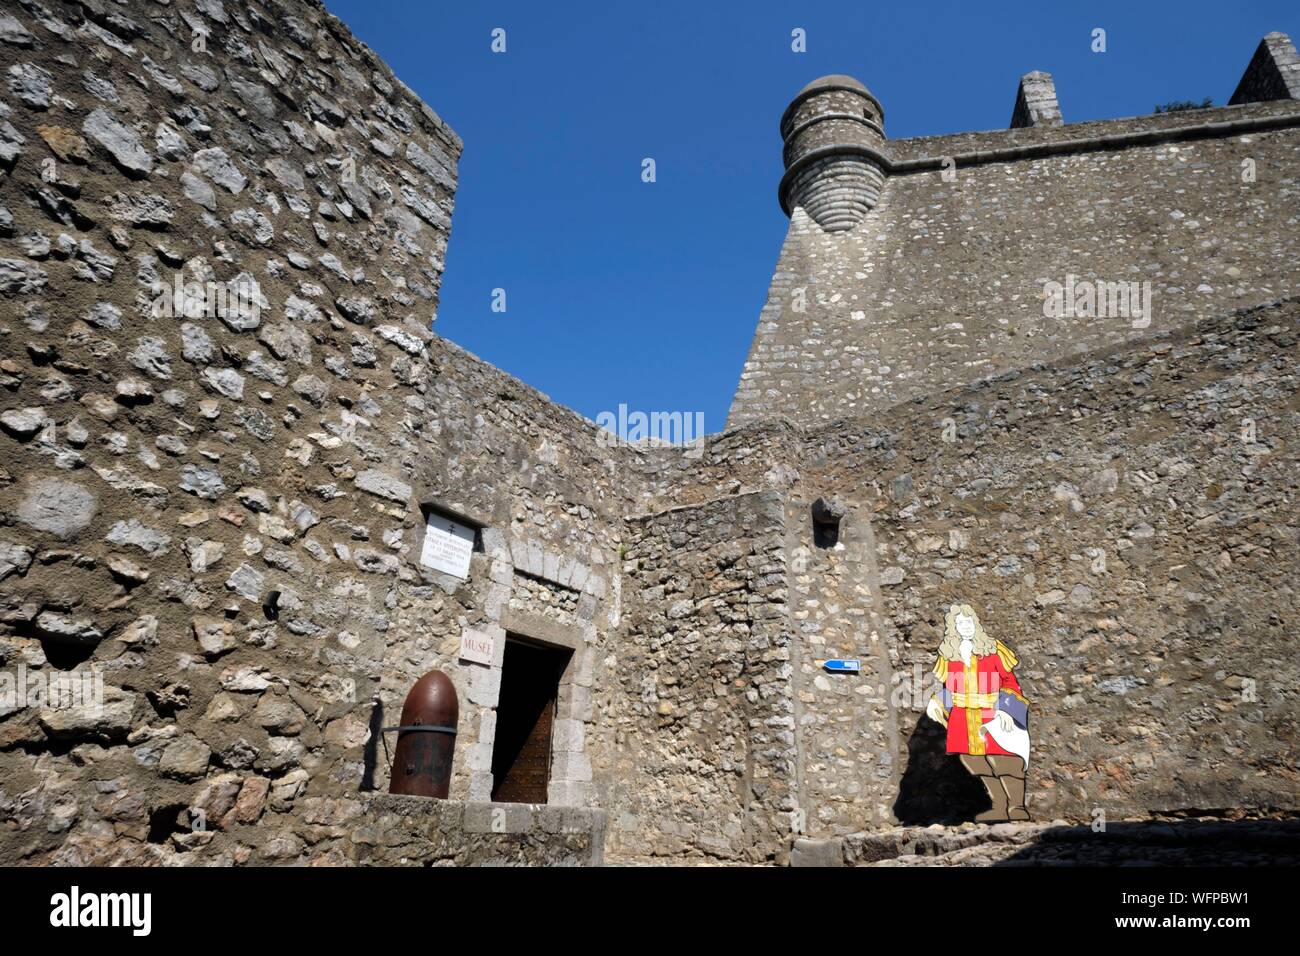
619,291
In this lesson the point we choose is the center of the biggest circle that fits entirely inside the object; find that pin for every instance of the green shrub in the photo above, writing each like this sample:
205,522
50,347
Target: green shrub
1178,105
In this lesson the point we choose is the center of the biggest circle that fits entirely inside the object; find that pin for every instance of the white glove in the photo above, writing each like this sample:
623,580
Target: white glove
935,712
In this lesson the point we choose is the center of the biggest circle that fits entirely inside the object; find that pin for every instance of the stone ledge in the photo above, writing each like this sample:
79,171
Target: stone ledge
926,152
817,853
396,830
1206,841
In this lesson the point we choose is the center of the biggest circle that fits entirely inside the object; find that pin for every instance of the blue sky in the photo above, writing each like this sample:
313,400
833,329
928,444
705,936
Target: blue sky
647,294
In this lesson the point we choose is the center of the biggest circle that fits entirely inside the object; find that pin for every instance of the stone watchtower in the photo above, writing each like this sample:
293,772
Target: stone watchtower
834,131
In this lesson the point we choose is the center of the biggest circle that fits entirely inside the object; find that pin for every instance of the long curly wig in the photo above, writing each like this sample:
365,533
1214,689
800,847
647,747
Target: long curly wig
983,645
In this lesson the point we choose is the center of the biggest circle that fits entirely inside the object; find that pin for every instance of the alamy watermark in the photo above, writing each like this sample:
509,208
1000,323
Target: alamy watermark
133,911
652,429
192,299
79,690
1096,299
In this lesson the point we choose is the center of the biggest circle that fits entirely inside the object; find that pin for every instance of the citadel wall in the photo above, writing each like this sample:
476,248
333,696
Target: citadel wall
1124,521
942,281
1128,525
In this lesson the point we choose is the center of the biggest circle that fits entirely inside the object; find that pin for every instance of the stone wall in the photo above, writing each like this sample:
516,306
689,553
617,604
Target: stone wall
1122,521
389,830
1126,525
214,498
943,281
549,500
847,726
703,724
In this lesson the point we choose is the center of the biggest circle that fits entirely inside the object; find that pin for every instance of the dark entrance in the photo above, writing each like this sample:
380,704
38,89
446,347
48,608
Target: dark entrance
521,756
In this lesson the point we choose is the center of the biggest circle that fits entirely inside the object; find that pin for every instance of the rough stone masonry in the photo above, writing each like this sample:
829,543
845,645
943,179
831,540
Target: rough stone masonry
225,421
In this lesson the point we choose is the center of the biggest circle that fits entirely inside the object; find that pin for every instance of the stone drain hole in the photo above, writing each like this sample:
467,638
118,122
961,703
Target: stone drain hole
65,655
166,820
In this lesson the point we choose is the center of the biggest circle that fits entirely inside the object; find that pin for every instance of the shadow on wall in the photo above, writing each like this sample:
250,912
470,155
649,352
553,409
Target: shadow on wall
371,753
936,788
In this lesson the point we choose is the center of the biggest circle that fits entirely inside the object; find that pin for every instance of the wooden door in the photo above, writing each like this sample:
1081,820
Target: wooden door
521,755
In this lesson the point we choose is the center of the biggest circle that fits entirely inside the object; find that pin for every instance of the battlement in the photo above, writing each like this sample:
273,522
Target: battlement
836,154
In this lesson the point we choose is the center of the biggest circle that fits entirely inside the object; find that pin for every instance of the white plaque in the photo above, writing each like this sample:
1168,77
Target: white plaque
447,546
477,647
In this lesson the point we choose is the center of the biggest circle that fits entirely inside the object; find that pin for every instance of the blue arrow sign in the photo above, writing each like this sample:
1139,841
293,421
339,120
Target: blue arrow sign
843,667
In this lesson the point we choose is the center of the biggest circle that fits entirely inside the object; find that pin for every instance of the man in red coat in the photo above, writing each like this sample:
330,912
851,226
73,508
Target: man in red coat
986,715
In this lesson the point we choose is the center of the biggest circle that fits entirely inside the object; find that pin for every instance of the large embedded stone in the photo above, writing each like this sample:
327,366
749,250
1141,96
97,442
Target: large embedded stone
383,485
132,533
203,482
186,758
216,636
23,423
31,85
216,165
14,557
120,142
58,506
112,718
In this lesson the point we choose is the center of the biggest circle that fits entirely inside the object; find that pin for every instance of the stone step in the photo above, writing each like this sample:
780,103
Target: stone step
1202,841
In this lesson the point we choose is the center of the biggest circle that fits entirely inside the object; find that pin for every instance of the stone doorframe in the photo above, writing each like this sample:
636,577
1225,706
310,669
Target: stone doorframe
570,777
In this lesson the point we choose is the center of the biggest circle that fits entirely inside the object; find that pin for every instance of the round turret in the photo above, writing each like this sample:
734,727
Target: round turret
834,133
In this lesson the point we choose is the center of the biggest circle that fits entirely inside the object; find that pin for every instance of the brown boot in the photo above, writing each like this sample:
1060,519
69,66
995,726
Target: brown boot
998,812
982,768
1011,775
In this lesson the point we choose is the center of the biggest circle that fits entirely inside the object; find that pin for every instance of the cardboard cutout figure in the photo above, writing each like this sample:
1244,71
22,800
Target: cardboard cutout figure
987,717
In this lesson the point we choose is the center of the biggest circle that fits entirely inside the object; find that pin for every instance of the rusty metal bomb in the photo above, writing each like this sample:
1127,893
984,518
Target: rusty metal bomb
426,738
